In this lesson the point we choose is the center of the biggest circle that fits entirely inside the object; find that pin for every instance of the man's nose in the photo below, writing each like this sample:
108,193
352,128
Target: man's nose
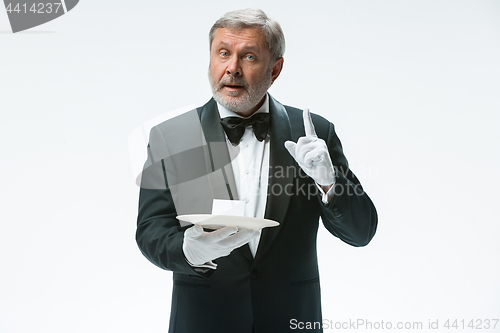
233,67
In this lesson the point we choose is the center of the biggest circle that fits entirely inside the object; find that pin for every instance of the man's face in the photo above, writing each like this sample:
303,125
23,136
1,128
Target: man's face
241,70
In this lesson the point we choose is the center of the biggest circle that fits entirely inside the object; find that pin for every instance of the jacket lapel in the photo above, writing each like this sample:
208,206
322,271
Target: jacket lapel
280,178
217,159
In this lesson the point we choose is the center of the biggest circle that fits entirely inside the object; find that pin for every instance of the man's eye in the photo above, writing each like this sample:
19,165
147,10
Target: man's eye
224,54
250,57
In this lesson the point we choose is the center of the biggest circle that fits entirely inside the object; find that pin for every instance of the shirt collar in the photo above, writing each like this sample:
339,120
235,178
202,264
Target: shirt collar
223,112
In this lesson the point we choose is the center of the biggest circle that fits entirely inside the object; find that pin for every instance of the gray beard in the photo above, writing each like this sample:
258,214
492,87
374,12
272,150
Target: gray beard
244,103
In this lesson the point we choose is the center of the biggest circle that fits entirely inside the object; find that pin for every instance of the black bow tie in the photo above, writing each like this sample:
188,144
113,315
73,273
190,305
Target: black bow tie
235,126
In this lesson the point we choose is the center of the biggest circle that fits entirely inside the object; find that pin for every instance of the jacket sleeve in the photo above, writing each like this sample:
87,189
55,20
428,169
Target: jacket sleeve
159,234
350,215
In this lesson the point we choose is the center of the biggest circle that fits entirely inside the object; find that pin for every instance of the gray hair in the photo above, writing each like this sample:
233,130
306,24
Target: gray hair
253,18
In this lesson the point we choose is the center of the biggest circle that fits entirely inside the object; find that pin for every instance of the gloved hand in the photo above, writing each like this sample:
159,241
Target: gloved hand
201,247
311,154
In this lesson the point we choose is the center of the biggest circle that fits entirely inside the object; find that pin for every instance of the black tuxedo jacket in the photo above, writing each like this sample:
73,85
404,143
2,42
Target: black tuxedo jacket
281,285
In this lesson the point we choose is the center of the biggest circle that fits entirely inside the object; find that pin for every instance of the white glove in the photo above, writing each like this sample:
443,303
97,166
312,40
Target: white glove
201,247
311,154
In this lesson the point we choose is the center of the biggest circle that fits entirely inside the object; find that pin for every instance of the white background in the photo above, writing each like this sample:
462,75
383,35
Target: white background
414,91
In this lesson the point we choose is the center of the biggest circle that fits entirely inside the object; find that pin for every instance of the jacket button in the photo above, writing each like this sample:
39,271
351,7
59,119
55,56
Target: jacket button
254,274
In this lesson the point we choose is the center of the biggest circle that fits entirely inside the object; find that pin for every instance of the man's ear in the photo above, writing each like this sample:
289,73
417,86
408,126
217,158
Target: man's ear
277,67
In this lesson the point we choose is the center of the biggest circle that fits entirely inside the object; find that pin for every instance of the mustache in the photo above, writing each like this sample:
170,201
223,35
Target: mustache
232,80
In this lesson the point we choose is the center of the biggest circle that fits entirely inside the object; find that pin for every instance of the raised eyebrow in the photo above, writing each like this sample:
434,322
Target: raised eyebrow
248,48
251,48
223,45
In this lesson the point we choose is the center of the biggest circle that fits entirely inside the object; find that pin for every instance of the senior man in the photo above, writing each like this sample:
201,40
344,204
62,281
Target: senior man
282,163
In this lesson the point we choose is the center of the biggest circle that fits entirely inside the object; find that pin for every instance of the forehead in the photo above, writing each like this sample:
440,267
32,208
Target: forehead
245,37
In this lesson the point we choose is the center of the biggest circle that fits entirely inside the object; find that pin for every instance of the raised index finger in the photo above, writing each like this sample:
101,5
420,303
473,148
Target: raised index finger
308,124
